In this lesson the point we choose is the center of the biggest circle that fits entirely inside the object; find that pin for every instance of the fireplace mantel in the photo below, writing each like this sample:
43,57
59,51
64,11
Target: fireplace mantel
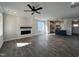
25,27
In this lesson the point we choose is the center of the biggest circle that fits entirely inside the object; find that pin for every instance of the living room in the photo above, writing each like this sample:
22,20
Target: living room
27,29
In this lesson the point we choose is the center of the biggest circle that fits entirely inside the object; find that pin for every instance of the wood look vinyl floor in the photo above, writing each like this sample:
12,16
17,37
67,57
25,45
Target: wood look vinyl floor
42,46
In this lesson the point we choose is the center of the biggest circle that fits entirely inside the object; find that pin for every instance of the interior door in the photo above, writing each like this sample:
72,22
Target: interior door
1,30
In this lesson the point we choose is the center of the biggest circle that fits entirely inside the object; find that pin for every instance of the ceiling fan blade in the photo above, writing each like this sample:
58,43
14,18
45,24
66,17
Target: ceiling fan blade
38,12
74,5
27,10
29,6
39,8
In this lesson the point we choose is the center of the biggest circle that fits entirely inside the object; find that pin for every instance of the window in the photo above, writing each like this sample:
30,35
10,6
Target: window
40,25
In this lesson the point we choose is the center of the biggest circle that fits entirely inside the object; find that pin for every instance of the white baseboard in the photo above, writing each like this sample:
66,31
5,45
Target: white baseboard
21,37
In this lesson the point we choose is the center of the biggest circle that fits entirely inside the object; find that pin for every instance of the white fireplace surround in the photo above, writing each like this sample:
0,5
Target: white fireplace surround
23,29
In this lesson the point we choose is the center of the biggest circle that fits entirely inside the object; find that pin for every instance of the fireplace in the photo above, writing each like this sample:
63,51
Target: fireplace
23,32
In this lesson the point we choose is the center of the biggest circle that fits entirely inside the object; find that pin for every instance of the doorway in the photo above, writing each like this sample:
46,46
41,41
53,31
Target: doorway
75,27
55,25
40,27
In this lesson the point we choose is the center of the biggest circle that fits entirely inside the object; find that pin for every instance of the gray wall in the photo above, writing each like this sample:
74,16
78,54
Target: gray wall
13,23
12,26
68,26
1,29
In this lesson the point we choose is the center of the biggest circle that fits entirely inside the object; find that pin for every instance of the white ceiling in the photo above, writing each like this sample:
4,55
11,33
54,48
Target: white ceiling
50,9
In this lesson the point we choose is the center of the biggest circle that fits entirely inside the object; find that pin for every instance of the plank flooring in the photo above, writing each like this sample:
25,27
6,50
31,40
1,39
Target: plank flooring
42,46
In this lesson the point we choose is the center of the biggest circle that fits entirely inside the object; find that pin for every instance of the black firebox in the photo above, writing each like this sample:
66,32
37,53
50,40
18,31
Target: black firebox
23,32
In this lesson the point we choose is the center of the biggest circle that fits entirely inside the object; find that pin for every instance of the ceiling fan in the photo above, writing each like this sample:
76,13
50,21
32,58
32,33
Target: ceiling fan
74,4
33,9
